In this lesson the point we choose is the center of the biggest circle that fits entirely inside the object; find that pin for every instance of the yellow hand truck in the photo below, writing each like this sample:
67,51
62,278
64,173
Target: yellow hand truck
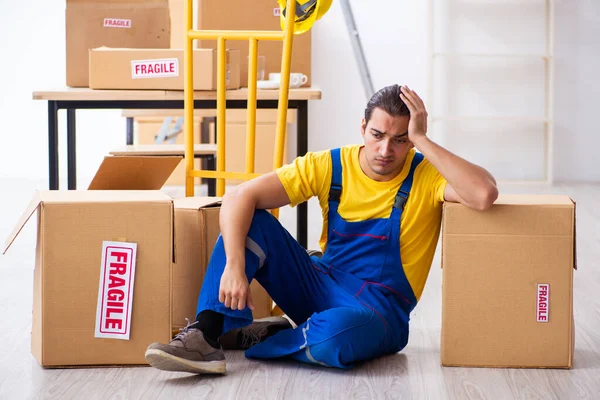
306,13
221,36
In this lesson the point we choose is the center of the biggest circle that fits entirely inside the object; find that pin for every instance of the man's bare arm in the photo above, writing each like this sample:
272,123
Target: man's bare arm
237,210
468,183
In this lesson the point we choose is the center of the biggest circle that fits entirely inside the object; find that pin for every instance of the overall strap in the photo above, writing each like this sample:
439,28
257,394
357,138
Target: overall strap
404,191
335,191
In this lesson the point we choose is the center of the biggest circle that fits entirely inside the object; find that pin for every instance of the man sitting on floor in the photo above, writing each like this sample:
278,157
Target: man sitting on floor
382,208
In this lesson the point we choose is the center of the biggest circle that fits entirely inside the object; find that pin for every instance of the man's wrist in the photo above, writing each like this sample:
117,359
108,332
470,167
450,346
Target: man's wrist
235,260
420,142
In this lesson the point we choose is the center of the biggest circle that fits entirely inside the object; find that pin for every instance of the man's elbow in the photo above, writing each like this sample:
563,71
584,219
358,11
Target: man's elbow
486,198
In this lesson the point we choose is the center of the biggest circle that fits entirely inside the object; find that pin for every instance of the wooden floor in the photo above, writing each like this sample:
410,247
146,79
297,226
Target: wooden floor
413,374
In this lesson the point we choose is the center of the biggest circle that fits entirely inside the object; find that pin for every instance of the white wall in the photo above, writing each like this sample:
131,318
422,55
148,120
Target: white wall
394,34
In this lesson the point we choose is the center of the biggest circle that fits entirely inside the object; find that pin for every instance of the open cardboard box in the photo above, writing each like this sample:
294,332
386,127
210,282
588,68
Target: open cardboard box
173,240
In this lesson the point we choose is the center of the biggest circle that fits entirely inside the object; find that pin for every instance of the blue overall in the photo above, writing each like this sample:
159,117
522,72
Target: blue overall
350,305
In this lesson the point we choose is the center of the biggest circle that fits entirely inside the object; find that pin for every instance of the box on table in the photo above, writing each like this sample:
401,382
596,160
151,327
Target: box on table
507,289
161,69
253,15
112,23
77,303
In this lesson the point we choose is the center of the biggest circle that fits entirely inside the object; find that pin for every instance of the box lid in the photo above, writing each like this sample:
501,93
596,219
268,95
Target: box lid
82,196
540,215
196,203
134,172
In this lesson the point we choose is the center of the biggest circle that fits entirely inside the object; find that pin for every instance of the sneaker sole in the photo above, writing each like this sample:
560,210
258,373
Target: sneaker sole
168,362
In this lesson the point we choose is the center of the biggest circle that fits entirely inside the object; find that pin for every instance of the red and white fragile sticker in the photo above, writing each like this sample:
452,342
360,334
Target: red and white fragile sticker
117,23
161,68
276,12
115,292
543,302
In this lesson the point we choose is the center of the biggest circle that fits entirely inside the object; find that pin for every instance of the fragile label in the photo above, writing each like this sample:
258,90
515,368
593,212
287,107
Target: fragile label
162,68
117,23
543,302
276,12
115,292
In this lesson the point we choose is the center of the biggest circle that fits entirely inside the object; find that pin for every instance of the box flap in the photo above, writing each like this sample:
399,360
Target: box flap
33,205
82,196
134,172
196,203
533,199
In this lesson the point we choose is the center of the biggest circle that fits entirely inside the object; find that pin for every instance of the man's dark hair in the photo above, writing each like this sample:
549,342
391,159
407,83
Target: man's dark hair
388,99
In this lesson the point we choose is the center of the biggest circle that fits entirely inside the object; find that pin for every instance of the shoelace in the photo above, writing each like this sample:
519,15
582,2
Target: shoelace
184,331
249,338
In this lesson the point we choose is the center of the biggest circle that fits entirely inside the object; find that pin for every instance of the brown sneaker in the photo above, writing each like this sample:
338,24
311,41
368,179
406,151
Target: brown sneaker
188,352
256,332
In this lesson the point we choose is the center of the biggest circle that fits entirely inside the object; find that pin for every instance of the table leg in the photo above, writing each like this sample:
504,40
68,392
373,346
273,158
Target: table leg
301,149
53,144
129,131
212,183
71,149
209,162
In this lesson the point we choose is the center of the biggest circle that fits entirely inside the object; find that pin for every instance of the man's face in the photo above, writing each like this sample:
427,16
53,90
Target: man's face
386,145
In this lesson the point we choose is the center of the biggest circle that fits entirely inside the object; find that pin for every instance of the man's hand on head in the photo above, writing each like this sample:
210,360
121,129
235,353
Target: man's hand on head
417,127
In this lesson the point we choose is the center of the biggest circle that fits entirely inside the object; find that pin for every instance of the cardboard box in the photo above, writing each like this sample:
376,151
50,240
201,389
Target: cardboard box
158,69
72,226
196,232
112,23
507,291
177,12
253,15
123,204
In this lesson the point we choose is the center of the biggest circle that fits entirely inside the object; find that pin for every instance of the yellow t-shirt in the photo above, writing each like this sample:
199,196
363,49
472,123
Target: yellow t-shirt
363,198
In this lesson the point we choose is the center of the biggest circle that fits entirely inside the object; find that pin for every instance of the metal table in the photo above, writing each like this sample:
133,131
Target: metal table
73,99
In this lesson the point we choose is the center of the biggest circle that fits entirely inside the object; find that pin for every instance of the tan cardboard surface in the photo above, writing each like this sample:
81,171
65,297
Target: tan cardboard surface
134,173
88,25
115,68
72,226
493,262
80,196
71,259
253,15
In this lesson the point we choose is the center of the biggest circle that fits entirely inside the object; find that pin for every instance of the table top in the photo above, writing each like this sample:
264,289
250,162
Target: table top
163,150
79,94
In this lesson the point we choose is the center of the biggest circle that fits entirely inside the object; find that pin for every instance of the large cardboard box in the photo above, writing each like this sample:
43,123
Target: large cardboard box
112,23
196,232
123,204
158,69
71,290
253,15
507,291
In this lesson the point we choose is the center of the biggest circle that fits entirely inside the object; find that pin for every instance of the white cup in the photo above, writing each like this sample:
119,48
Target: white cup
296,79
